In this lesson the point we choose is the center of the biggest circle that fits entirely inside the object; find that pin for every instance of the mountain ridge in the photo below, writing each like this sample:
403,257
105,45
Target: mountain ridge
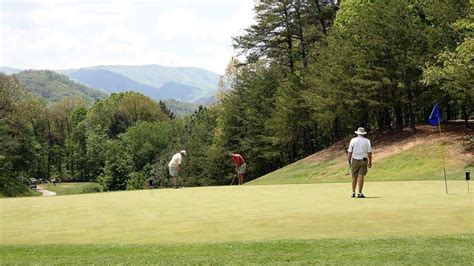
189,84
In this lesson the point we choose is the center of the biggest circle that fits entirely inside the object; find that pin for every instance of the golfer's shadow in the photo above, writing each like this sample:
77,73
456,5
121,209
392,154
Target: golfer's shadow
372,197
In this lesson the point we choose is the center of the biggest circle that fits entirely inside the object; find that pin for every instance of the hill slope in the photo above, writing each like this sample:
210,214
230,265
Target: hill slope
396,156
54,87
189,84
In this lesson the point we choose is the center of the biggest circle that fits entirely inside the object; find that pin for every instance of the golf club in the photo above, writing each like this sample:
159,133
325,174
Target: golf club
348,169
232,181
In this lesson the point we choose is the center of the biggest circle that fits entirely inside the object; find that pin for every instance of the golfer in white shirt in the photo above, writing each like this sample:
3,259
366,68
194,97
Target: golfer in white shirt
359,155
174,166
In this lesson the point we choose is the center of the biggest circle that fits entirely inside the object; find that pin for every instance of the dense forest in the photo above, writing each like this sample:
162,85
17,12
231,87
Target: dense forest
306,74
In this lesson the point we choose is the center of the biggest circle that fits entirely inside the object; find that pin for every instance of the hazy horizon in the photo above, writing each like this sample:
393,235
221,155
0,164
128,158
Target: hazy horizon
69,34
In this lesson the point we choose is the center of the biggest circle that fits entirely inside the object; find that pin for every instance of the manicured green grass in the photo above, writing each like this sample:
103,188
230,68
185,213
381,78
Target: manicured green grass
446,250
73,188
422,162
239,213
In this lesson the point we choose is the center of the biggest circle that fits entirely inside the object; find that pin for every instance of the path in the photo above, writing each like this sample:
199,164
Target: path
46,193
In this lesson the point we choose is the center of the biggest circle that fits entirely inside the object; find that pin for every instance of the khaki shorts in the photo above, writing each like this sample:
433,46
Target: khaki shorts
359,167
242,169
173,170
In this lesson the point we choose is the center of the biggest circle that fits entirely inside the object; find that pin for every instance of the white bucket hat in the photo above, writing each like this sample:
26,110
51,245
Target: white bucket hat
183,152
360,131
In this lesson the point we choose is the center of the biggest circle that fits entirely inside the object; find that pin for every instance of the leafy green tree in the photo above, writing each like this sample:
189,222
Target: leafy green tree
17,144
76,145
453,70
118,166
165,110
118,112
146,140
96,149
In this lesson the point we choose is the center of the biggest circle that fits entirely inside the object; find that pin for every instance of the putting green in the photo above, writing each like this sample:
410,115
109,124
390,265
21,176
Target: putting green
240,213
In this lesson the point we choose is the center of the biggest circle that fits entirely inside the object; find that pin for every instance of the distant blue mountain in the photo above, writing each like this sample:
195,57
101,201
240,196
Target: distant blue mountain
9,70
111,82
181,92
188,84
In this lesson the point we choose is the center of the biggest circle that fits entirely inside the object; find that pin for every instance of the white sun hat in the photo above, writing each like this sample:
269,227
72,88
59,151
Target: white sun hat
183,152
360,131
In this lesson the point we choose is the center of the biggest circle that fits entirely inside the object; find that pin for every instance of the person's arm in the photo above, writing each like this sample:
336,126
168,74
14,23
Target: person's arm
369,153
349,151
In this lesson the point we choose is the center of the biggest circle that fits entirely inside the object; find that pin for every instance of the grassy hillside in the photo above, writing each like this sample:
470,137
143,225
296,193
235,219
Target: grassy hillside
396,157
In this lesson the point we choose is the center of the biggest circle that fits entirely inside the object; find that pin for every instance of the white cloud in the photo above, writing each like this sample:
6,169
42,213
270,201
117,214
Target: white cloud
69,33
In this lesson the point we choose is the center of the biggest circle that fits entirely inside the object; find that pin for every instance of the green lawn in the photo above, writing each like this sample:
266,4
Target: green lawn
73,188
400,222
422,162
245,213
446,250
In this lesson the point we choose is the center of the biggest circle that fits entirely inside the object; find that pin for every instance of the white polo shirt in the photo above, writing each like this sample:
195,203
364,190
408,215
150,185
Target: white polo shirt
175,160
360,147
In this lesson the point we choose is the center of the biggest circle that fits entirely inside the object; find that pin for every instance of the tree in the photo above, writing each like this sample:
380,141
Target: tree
17,144
453,70
145,141
118,112
118,166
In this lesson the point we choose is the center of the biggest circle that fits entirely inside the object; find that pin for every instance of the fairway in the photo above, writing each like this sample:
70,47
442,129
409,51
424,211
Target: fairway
240,213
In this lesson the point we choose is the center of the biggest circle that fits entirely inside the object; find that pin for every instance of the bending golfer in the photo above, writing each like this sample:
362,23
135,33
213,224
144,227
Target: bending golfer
360,158
240,166
175,166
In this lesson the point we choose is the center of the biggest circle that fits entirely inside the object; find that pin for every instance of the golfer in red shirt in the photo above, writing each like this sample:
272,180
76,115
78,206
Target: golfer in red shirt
240,166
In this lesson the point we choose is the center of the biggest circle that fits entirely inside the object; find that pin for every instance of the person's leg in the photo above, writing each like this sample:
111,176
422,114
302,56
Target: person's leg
354,184
361,174
174,181
354,173
241,179
361,183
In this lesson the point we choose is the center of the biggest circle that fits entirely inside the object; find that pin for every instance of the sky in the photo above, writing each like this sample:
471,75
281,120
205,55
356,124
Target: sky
63,34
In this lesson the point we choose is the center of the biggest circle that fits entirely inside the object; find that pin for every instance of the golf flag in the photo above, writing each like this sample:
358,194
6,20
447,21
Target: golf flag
435,120
435,117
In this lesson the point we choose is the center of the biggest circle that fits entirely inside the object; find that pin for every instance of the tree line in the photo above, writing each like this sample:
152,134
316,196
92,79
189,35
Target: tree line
307,74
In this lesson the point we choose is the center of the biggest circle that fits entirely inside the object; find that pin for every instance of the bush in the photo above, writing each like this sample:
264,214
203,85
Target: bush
136,180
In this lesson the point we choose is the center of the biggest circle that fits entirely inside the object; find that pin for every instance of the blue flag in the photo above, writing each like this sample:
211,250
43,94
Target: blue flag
435,117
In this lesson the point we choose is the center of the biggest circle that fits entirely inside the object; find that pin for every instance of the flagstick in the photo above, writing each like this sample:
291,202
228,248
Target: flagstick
442,152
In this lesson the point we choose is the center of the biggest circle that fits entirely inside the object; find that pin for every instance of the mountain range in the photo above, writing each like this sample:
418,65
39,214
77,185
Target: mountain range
188,84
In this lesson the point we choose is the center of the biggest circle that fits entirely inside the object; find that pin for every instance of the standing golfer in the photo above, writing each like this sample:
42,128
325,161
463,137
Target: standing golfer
359,155
240,166
175,166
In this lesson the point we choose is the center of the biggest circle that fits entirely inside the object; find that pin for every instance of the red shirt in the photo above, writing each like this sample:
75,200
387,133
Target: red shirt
238,159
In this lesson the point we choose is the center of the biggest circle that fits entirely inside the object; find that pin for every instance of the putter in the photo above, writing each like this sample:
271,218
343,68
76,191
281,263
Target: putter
348,168
232,181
